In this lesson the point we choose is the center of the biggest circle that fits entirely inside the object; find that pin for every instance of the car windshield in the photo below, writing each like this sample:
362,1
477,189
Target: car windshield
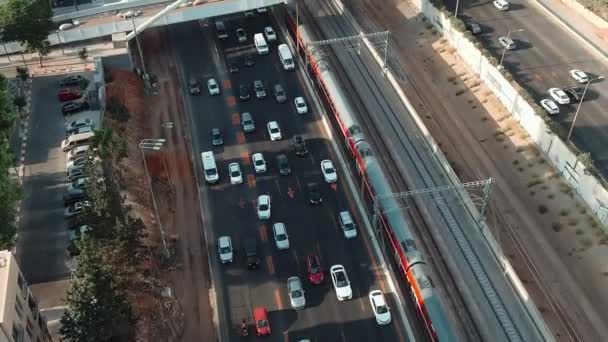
281,237
381,309
314,268
274,130
296,293
349,226
259,162
210,172
263,207
225,250
247,122
341,280
235,173
262,323
330,170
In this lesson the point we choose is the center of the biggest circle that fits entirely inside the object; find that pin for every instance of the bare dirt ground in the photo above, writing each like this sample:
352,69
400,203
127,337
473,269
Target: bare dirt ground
174,187
555,245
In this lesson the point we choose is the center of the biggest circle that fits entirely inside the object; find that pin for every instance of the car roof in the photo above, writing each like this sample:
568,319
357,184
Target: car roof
260,313
224,240
279,227
378,297
337,267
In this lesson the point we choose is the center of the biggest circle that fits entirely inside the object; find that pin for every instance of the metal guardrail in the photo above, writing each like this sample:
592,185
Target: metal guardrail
116,6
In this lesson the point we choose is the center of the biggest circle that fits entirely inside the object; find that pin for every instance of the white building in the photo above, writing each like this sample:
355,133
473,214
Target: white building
20,319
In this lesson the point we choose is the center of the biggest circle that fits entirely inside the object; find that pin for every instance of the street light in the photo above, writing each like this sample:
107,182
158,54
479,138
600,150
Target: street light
456,10
504,49
60,44
141,54
580,104
154,144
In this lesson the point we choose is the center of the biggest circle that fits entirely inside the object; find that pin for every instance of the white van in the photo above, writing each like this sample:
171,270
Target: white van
286,57
260,44
209,167
75,140
221,30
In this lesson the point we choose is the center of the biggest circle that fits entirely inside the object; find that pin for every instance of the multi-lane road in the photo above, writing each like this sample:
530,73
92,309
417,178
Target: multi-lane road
230,209
545,52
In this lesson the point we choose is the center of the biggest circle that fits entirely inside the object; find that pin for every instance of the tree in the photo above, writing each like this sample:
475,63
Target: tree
29,22
97,309
110,145
83,54
19,102
129,233
22,73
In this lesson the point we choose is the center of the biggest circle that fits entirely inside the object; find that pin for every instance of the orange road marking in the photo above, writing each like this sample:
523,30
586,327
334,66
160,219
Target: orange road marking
242,203
231,101
236,119
270,265
251,181
277,297
334,186
227,84
290,192
245,158
263,233
240,137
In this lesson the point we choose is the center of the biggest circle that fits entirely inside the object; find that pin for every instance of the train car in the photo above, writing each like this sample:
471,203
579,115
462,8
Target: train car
392,222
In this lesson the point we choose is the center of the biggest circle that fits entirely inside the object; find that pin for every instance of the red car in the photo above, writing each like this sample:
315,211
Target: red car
314,270
262,325
68,95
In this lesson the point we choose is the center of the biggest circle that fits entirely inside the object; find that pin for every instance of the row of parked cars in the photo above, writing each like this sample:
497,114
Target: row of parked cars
566,95
315,273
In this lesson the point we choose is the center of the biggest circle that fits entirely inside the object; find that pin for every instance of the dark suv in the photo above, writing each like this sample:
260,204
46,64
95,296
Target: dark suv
251,252
574,93
314,194
300,145
283,164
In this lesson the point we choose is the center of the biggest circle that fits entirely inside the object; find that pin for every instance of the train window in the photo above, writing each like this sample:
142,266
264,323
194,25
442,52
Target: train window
408,245
424,282
355,129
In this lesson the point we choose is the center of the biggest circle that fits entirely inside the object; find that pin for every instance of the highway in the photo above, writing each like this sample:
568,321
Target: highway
230,209
545,53
489,297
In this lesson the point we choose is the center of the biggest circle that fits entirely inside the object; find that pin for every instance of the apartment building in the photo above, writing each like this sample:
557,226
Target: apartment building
20,318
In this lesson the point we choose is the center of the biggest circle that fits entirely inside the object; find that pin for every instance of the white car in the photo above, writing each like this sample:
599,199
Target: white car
270,34
263,207
214,89
559,96
296,293
549,106
281,239
259,164
507,43
224,249
579,76
329,172
301,107
501,5
341,283
234,170
274,130
379,307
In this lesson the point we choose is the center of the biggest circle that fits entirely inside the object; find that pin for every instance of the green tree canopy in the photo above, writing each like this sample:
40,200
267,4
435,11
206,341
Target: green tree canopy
27,21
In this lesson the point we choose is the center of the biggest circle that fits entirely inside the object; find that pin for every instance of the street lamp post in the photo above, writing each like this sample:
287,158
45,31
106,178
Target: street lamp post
504,49
154,144
60,44
456,10
580,104
141,54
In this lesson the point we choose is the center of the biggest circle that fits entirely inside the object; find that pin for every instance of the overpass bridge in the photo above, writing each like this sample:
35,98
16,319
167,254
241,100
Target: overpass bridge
101,21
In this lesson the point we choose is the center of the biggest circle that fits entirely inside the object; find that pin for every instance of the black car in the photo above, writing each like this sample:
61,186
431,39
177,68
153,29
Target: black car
74,107
300,145
244,93
574,93
76,195
474,27
71,80
249,61
233,68
251,252
283,164
194,87
314,194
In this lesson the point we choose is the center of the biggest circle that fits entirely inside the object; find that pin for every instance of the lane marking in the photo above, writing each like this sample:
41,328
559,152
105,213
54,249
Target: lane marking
227,84
231,100
334,186
263,233
245,158
277,297
278,185
290,192
251,181
240,138
236,118
270,265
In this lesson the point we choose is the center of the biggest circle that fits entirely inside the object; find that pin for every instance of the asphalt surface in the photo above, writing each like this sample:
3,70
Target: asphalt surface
230,209
43,236
545,53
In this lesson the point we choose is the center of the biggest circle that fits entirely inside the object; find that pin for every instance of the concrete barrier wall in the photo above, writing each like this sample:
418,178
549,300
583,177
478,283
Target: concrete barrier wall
556,151
108,7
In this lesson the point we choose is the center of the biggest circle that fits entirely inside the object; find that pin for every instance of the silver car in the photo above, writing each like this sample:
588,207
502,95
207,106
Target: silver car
260,91
296,293
247,122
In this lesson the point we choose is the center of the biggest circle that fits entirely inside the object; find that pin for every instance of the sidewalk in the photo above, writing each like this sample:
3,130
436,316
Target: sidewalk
594,32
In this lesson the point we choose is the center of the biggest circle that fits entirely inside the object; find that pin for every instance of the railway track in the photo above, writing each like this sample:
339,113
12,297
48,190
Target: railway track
413,151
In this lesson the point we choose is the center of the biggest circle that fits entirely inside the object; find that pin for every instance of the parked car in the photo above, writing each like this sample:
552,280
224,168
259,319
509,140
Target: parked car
259,164
263,207
279,93
299,145
314,195
575,94
244,92
341,283
347,224
251,253
247,122
78,151
474,27
262,325
193,86
270,34
68,94
579,76
214,89
295,290
283,164
549,106
78,123
71,80
507,43
314,269
85,129
72,107
249,60
233,68
501,5
75,209
281,239
241,35
329,172
78,184
71,197
224,249
74,234
216,137
300,104
379,307
234,170
258,87
559,96
274,131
